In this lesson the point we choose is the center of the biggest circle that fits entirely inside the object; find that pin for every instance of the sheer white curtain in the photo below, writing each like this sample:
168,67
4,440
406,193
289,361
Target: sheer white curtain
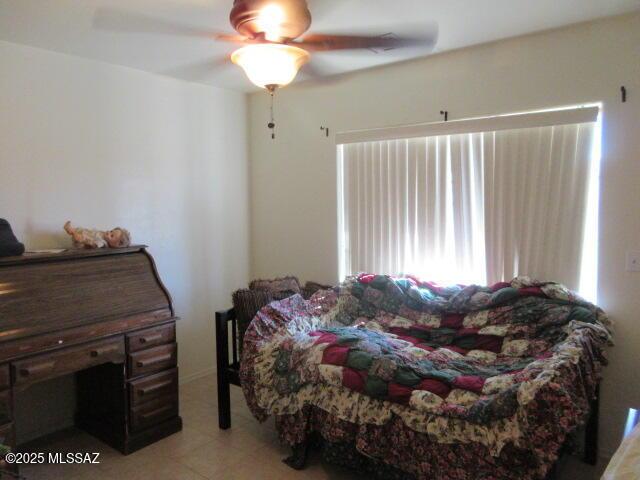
473,207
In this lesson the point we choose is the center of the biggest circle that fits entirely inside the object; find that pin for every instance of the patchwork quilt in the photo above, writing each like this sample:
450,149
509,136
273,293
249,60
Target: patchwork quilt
395,364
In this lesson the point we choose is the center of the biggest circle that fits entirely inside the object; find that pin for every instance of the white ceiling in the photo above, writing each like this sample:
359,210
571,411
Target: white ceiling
68,26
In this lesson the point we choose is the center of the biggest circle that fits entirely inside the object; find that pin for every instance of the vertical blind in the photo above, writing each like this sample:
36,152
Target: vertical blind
470,201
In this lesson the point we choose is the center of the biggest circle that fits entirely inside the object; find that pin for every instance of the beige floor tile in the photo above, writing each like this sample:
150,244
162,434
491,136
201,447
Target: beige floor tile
204,389
48,472
212,459
250,471
180,443
116,464
194,405
93,474
164,470
66,472
206,423
264,433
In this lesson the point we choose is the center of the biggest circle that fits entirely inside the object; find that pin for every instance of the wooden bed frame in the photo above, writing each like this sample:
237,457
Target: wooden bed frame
228,368
228,373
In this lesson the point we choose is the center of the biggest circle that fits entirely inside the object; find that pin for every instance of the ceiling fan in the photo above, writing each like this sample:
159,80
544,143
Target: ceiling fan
271,34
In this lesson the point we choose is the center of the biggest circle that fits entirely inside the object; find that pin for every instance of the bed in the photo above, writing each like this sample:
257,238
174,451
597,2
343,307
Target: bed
408,379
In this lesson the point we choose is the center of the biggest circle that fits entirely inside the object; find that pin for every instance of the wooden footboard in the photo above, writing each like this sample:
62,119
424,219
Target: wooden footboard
228,366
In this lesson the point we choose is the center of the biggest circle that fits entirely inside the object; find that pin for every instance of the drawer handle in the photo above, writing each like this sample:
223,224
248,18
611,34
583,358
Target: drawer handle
35,369
156,412
103,351
150,338
154,360
155,388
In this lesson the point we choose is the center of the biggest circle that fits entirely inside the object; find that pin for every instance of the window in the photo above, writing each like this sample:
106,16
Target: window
473,201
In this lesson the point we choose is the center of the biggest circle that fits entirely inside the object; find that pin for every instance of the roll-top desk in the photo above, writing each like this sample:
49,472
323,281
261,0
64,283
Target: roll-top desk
105,316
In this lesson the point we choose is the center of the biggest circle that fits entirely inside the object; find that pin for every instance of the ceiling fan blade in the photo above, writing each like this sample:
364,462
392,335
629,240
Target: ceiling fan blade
317,71
123,21
311,70
200,69
227,37
320,42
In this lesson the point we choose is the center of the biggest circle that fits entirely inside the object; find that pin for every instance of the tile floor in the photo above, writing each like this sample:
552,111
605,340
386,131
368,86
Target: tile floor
248,450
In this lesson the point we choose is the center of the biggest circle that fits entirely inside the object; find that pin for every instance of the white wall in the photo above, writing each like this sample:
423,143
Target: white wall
103,146
293,179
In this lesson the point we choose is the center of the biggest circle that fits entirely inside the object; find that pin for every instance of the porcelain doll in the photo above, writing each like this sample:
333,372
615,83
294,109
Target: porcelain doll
89,238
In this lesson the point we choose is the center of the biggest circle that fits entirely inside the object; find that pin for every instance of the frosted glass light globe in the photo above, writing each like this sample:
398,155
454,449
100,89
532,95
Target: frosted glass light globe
270,63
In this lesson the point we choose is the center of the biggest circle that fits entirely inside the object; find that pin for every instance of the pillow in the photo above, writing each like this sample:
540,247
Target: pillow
312,287
279,288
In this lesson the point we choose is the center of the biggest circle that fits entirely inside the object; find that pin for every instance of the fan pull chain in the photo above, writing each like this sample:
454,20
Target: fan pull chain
272,124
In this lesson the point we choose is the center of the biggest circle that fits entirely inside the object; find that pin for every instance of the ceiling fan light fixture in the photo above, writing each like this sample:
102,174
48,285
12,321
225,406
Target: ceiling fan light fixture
269,64
270,22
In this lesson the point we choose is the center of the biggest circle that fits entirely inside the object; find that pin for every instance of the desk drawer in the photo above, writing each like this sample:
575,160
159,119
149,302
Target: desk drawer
153,387
151,337
154,412
5,377
68,360
153,360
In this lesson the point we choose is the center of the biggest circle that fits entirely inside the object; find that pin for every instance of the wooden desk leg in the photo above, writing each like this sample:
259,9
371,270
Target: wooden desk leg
591,432
222,354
